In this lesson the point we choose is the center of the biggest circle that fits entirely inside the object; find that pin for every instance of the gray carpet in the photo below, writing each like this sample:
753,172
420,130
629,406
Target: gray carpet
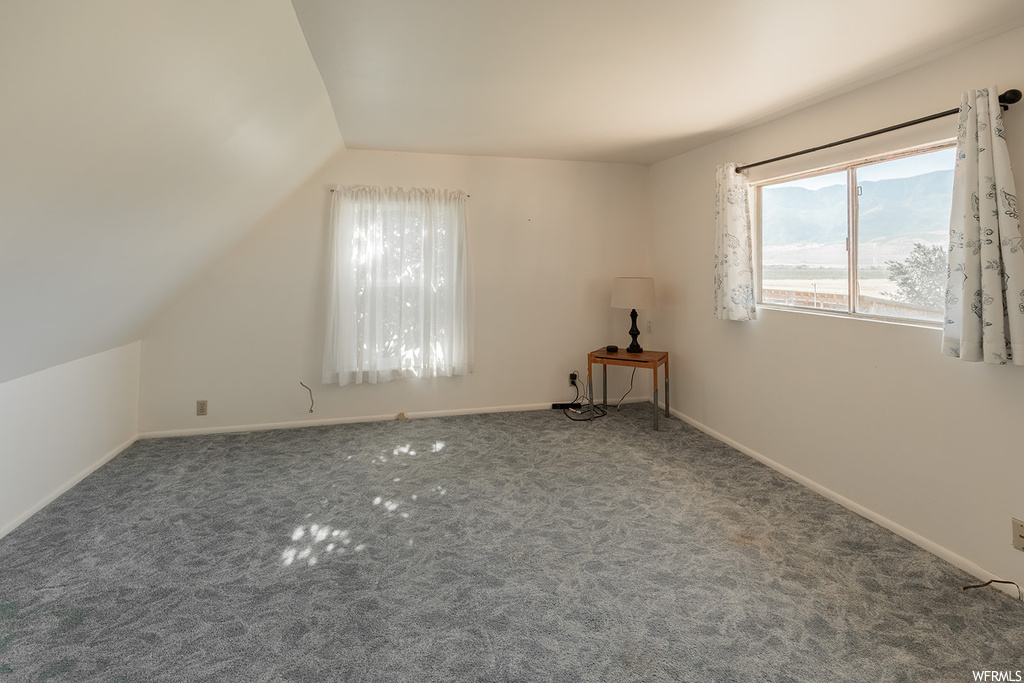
502,547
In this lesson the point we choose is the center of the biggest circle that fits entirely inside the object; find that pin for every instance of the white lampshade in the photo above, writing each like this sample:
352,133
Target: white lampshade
633,292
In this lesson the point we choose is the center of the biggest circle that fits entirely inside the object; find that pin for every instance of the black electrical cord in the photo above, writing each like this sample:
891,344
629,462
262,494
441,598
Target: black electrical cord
310,396
982,585
584,413
627,391
598,410
585,405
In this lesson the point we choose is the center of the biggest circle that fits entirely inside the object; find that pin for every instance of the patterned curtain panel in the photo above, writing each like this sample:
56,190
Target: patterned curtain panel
985,284
734,269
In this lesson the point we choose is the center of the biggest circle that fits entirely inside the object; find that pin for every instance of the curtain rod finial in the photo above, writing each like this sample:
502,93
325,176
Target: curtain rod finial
1010,97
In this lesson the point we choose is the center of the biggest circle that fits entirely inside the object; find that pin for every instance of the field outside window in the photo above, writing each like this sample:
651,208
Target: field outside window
883,220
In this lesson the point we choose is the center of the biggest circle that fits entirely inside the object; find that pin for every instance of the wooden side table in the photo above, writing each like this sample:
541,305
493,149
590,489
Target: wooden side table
644,359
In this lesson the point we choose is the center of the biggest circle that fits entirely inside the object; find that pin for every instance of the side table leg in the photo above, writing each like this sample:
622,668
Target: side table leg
666,385
604,381
590,388
655,373
655,409
666,396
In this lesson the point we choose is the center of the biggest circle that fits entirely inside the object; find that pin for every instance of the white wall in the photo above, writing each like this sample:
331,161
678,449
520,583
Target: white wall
62,423
545,240
866,410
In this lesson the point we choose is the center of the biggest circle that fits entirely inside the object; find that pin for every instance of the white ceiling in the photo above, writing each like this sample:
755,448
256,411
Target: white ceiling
610,80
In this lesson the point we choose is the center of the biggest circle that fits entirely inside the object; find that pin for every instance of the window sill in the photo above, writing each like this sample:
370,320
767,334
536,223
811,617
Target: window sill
922,324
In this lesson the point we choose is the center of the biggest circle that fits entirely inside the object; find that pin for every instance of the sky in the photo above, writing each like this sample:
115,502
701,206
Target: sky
897,168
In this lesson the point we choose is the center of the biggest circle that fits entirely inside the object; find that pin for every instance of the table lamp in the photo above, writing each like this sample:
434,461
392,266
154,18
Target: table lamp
634,293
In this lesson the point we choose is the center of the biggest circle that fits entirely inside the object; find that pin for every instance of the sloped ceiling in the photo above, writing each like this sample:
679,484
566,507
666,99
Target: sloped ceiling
139,141
609,80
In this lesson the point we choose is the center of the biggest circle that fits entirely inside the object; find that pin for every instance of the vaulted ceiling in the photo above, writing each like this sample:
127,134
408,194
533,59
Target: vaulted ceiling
141,140
138,141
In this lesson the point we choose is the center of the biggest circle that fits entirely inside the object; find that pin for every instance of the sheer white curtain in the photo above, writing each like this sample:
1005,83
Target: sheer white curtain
734,268
985,285
397,302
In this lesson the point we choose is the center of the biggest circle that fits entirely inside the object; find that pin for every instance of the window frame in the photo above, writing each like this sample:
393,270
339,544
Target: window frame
852,219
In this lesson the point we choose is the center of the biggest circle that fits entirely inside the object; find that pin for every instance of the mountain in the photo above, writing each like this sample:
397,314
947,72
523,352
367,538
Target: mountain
912,208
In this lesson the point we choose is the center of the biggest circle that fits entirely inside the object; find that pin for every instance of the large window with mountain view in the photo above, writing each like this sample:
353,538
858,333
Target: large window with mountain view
867,238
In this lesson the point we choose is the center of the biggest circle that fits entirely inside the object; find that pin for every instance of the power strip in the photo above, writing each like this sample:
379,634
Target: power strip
564,406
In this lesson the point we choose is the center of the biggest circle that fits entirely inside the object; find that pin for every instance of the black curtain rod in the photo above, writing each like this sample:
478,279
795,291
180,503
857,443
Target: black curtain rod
1005,100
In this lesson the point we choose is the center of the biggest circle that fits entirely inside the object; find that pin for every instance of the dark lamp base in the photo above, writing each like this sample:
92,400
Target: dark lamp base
634,332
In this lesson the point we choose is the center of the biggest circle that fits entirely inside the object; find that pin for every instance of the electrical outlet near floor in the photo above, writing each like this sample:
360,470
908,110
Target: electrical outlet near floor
201,407
1018,533
572,379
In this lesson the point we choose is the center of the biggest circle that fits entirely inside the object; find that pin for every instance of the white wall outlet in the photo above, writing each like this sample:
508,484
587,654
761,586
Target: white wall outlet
1018,533
201,407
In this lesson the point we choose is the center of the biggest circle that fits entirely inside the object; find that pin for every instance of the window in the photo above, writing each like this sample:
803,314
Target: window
398,285
867,238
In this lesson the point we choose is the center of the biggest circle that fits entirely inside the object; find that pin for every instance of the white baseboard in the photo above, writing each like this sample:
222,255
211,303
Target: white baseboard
297,424
917,539
264,426
53,495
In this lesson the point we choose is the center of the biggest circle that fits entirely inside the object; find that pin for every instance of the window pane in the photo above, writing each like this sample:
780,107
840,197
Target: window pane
902,238
803,243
